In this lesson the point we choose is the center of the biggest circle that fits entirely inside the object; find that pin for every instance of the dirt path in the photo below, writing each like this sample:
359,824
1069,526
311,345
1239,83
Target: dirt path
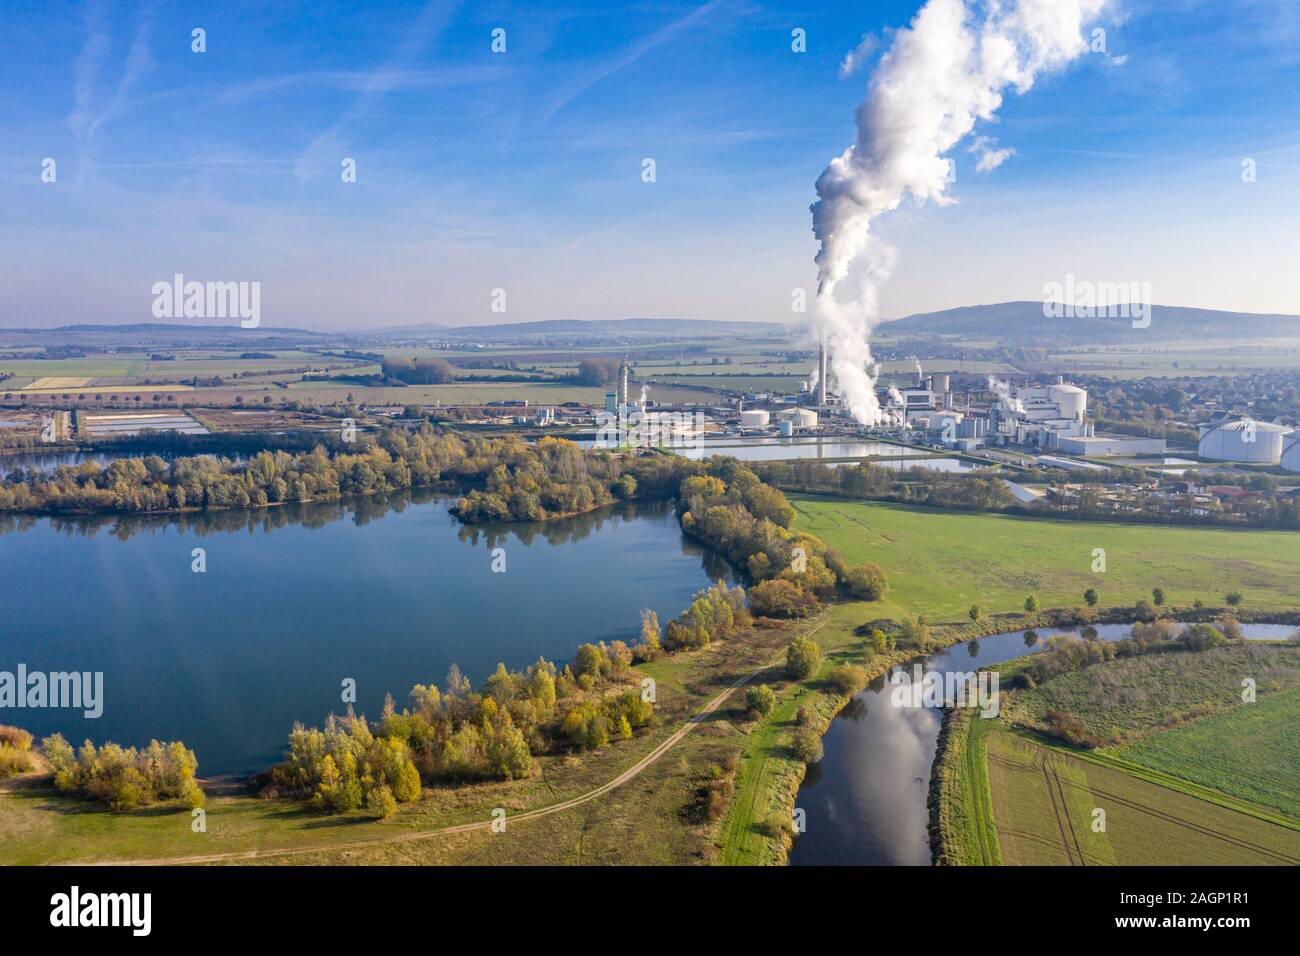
590,795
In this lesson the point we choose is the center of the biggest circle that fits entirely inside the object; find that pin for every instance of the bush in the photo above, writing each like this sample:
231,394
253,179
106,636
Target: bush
381,802
807,745
1071,729
1200,637
759,700
780,598
15,751
122,777
847,679
867,582
802,657
915,632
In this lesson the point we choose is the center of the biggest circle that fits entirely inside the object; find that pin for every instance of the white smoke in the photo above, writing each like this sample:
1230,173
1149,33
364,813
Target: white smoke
943,74
1003,391
895,396
916,364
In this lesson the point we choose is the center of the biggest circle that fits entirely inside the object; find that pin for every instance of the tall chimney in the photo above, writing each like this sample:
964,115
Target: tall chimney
821,373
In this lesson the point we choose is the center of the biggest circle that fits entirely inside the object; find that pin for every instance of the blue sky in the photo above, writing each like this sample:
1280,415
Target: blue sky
522,170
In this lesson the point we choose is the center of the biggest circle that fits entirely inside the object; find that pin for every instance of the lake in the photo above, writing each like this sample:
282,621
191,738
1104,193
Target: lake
789,449
866,800
389,592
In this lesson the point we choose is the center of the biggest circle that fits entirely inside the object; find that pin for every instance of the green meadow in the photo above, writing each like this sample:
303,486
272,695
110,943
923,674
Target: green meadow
941,562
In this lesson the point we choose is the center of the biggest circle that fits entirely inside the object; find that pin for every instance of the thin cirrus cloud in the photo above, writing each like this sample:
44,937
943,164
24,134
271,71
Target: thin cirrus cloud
479,170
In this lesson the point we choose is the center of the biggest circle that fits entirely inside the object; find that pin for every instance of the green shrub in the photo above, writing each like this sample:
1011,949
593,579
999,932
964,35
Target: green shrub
867,582
802,658
779,597
847,679
759,700
807,745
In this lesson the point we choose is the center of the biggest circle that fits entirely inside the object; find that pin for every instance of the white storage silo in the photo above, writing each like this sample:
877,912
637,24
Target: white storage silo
754,418
1245,440
1291,452
1072,400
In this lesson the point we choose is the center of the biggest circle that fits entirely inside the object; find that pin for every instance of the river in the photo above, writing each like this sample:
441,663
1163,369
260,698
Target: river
865,802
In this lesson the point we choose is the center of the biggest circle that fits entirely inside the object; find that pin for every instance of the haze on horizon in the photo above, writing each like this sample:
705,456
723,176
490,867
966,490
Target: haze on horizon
523,170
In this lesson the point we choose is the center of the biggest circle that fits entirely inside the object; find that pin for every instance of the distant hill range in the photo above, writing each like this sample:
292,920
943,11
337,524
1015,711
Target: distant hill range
556,328
1023,323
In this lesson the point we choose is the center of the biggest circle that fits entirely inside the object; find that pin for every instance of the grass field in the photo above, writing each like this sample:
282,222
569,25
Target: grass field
1243,752
1128,699
1044,804
941,562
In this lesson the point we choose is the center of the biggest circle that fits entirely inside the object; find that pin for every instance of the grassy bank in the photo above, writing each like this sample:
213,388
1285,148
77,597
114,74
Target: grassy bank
962,831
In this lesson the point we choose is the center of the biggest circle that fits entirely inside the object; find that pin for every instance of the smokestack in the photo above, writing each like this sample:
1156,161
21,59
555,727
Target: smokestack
821,373
622,384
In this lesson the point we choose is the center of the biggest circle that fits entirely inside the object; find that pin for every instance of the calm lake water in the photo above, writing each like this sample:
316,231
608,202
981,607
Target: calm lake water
788,449
47,462
294,600
866,800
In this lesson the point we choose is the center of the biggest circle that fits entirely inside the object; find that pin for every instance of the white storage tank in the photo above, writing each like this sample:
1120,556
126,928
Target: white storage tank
787,428
1245,440
1072,400
1291,452
754,418
801,417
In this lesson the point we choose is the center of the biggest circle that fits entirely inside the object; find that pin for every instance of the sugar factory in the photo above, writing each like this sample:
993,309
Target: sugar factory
927,410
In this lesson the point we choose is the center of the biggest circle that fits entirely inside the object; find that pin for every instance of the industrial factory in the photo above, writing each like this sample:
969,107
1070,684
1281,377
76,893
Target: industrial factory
926,410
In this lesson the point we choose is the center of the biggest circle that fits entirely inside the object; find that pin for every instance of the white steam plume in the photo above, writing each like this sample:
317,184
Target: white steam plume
944,73
1003,391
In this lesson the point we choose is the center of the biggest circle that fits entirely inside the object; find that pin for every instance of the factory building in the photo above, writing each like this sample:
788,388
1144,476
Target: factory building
1244,440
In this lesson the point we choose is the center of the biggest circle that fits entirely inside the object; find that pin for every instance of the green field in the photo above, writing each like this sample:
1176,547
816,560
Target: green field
1045,803
1130,698
941,562
1243,752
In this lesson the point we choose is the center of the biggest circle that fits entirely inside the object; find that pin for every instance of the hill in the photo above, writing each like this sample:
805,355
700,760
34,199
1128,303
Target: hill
1023,323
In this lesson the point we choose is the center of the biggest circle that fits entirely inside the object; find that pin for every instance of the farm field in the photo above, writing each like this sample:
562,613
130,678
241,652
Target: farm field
1043,803
941,562
1244,752
1130,698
